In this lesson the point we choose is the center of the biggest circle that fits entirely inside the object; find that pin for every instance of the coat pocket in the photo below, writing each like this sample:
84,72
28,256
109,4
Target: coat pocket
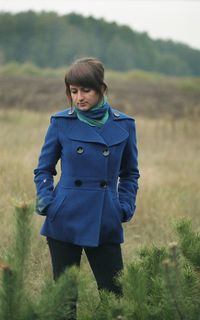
55,206
118,207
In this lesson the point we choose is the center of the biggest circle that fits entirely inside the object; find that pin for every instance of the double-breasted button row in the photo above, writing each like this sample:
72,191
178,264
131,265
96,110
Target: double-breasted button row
105,151
103,183
78,183
79,150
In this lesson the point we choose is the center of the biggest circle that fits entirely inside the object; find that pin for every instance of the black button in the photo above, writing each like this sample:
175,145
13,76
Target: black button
103,184
106,152
79,150
78,183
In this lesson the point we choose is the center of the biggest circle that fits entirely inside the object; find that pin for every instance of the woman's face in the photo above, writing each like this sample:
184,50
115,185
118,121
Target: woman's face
84,98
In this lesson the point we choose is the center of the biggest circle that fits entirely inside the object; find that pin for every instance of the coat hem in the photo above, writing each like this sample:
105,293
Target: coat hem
82,243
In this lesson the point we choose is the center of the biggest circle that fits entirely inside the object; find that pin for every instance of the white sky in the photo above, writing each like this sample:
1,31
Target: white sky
176,20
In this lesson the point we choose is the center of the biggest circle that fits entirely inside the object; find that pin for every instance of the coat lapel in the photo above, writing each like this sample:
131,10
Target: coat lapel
113,133
83,132
110,134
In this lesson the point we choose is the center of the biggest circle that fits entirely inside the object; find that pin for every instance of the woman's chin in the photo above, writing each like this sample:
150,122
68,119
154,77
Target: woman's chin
85,107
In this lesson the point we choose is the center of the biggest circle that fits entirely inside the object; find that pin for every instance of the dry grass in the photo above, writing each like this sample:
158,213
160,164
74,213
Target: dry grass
169,157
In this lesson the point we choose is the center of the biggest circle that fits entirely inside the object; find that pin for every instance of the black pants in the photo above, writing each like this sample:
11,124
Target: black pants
105,261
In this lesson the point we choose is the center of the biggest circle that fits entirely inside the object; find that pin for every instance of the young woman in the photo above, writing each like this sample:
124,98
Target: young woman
97,188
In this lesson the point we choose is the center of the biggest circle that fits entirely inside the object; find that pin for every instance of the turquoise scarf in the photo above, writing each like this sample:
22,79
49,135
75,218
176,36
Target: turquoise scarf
96,116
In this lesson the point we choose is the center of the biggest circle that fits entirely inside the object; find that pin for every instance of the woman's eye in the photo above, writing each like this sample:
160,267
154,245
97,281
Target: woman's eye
87,89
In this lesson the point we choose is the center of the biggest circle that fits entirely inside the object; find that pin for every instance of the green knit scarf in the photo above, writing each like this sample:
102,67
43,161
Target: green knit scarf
97,115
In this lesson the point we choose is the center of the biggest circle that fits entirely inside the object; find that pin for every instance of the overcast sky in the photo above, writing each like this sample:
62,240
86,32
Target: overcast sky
166,19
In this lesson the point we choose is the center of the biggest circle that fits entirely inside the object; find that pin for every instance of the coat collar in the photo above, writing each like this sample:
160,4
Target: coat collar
70,114
110,134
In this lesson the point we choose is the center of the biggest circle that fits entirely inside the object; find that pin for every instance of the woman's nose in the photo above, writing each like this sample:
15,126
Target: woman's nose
80,95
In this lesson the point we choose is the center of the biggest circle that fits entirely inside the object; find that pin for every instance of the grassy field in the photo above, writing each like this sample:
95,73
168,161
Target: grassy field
169,160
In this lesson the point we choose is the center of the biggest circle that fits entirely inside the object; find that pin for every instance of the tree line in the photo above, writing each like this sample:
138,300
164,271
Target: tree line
50,40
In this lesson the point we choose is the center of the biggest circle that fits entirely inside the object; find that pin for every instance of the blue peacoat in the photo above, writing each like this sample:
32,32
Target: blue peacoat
97,188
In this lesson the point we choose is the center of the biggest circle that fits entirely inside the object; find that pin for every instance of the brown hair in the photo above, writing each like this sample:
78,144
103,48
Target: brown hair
87,72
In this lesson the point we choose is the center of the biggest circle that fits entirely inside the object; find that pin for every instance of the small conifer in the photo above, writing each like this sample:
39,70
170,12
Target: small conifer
162,283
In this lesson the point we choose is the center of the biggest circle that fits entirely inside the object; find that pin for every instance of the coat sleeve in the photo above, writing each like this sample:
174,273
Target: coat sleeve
43,174
129,175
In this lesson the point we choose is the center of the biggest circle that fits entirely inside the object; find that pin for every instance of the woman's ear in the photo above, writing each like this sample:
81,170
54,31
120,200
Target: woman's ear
69,97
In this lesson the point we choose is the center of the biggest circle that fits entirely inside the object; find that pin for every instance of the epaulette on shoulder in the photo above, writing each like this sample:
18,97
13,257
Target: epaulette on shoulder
118,115
67,113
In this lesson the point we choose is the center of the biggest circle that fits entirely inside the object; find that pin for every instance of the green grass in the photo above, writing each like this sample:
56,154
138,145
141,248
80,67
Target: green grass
30,69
